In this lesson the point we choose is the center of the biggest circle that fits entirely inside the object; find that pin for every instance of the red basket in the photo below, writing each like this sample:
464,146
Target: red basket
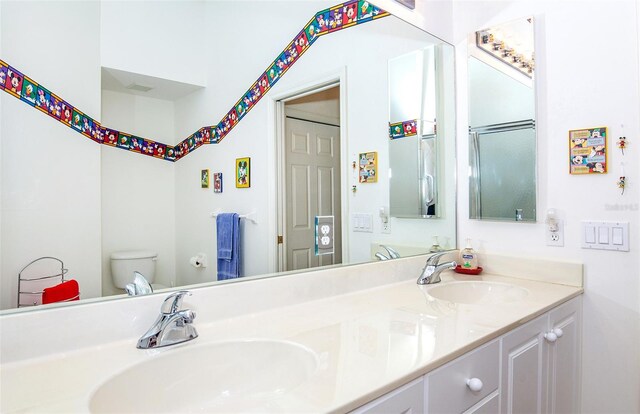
460,269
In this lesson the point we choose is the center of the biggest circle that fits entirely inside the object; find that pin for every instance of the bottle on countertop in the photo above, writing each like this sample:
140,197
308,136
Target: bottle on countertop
468,257
436,246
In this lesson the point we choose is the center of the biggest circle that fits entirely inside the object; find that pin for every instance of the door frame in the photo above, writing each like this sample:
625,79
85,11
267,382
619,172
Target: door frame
277,190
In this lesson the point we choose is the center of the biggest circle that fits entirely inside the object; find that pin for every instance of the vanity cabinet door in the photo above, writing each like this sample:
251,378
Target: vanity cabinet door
564,358
408,399
541,363
524,368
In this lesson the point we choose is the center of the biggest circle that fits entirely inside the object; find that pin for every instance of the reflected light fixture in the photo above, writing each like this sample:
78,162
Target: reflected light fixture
492,44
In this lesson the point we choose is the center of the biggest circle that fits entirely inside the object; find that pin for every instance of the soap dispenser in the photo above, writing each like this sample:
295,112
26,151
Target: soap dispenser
468,257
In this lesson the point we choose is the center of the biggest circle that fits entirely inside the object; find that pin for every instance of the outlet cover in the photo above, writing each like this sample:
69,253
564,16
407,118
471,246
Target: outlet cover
324,235
555,238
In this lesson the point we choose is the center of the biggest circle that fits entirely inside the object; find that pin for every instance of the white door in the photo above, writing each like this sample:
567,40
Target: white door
312,183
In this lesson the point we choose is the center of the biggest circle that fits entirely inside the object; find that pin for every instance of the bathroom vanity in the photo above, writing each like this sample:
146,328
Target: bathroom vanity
362,338
533,367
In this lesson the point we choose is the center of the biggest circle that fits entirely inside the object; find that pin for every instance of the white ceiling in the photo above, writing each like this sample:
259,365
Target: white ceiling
118,81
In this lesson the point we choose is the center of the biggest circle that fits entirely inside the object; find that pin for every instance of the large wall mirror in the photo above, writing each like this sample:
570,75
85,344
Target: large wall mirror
502,123
68,197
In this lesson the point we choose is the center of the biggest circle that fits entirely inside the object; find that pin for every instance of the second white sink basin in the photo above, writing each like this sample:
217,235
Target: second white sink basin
476,292
218,377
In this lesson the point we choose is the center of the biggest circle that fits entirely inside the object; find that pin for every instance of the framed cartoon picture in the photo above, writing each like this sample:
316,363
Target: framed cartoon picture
204,178
243,172
588,151
217,182
368,167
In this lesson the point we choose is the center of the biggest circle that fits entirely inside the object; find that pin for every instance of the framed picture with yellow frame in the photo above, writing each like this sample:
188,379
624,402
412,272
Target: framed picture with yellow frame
204,178
588,151
243,172
368,167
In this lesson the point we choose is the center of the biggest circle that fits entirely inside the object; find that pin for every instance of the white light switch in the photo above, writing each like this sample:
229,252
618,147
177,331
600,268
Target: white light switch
605,235
617,236
589,234
362,222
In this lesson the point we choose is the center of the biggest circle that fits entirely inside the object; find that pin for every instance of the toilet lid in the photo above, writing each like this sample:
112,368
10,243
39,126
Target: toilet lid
133,254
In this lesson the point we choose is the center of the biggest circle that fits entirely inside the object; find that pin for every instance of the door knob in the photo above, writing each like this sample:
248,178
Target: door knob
558,332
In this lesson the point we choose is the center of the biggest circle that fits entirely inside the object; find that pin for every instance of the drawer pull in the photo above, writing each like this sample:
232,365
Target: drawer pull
550,336
558,332
474,384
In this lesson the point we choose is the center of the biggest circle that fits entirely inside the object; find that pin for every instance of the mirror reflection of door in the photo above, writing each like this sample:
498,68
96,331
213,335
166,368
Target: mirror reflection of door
312,176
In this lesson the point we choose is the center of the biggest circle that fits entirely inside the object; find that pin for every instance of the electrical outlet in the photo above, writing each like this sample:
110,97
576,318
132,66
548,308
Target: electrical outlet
555,238
386,227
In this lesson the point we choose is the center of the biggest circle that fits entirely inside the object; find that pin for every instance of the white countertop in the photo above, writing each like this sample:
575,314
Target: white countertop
368,343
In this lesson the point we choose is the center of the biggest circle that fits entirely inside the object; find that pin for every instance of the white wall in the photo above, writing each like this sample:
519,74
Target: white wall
138,194
51,174
157,38
585,78
435,16
362,53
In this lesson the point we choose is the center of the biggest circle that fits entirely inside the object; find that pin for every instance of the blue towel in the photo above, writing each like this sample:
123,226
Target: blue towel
228,236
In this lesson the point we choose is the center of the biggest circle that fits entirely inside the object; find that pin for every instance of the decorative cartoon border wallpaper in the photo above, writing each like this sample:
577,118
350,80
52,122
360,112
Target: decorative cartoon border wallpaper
327,21
403,129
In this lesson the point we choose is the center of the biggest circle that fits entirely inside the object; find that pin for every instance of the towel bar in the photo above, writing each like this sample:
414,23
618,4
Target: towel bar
248,216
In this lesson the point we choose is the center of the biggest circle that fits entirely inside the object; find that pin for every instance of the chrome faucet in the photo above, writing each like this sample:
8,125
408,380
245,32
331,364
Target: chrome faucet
393,254
173,326
431,272
139,286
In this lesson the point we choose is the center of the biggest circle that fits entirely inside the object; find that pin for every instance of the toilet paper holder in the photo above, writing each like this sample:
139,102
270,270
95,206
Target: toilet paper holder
199,260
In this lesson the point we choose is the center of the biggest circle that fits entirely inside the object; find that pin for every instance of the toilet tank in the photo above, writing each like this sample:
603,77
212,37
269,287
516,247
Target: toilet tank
124,263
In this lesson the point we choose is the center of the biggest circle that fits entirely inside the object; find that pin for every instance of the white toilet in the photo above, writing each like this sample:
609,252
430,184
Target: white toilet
124,263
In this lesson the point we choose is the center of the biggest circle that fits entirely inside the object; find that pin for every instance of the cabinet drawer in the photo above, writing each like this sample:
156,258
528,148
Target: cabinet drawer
490,406
408,399
447,388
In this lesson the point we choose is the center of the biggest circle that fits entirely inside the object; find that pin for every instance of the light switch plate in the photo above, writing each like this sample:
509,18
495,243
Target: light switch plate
362,222
605,235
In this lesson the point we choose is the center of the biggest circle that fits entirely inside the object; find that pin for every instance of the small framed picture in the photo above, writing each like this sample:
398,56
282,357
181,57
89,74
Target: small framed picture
368,167
243,172
588,151
204,178
217,182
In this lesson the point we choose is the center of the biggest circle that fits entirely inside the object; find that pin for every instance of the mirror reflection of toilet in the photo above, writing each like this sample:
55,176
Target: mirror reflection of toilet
125,263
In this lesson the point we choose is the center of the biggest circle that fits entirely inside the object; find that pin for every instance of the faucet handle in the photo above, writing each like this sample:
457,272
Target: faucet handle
393,254
435,259
173,302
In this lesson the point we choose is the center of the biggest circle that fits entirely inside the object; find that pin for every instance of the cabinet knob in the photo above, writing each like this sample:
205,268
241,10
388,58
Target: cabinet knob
550,336
474,384
558,332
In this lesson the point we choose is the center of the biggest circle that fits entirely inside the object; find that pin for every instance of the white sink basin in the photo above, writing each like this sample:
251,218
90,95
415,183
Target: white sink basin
219,377
470,292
